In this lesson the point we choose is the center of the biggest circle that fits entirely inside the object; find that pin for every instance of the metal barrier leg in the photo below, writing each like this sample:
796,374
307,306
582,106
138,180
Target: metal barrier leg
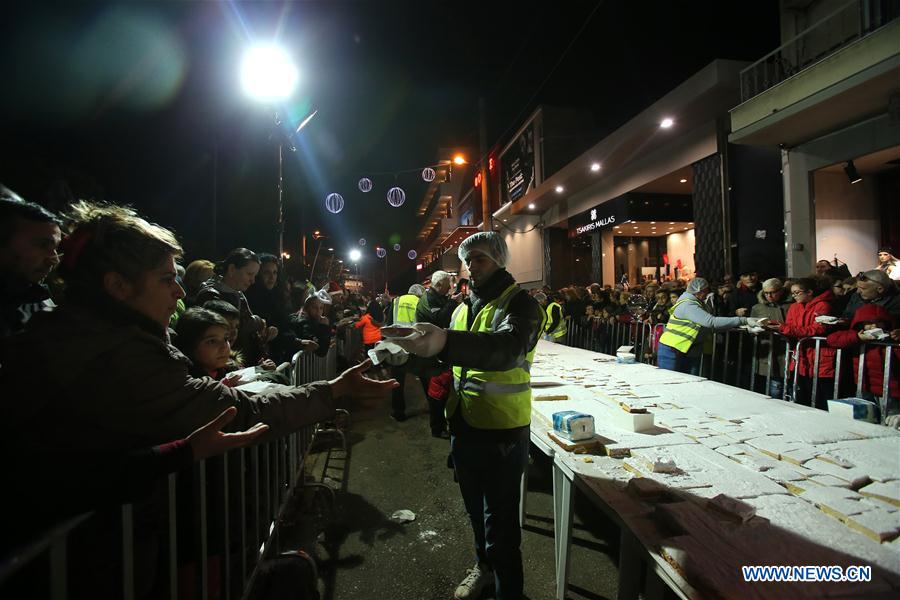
886,386
173,536
59,570
127,552
204,543
813,398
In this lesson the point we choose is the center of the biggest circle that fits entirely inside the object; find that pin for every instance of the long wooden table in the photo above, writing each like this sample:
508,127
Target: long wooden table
762,452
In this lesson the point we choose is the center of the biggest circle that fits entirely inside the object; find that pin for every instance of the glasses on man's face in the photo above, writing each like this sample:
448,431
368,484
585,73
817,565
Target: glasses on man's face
771,293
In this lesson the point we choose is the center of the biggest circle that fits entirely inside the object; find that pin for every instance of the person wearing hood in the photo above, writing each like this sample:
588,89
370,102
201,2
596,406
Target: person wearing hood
490,346
687,334
810,301
312,326
867,318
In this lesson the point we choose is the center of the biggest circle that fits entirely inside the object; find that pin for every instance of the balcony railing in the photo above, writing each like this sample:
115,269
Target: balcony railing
850,22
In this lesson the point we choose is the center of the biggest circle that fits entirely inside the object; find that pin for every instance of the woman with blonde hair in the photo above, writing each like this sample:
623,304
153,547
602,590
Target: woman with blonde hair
194,275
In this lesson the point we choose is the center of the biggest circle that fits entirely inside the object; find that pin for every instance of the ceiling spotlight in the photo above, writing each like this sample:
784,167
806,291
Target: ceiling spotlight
671,222
852,173
682,180
595,167
559,189
531,206
652,222
666,123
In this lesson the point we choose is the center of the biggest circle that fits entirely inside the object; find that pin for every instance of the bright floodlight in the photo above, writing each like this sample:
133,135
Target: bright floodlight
459,159
595,167
268,74
666,123
355,255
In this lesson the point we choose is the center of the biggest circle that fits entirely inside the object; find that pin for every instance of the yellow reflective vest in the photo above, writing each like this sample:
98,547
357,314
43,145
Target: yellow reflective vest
491,399
405,309
681,333
561,326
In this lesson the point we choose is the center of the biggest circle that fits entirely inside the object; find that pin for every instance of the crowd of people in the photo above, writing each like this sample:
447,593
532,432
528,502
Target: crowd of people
115,362
863,308
119,365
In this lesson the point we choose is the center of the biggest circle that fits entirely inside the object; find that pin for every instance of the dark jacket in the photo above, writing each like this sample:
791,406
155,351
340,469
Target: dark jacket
435,308
890,302
248,330
873,378
271,306
105,379
502,350
307,329
16,307
742,297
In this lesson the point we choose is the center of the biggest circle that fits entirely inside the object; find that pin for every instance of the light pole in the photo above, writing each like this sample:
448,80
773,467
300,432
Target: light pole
268,75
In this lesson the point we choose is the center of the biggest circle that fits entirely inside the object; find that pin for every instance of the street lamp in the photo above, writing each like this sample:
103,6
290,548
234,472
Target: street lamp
269,75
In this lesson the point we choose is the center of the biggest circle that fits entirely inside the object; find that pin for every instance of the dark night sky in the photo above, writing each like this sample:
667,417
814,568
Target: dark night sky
130,101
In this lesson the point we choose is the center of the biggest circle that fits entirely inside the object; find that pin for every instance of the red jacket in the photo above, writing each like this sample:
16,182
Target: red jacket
801,323
370,332
873,378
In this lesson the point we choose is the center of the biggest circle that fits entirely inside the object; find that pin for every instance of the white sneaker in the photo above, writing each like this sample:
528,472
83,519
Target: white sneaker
471,587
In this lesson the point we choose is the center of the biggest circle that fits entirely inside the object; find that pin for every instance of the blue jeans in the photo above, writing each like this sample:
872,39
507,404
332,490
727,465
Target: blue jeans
490,474
669,358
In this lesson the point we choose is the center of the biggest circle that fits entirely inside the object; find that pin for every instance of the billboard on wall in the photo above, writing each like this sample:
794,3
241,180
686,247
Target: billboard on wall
517,166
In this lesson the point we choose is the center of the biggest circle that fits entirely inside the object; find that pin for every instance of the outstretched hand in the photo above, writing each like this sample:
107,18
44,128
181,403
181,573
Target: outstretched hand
353,382
210,441
430,343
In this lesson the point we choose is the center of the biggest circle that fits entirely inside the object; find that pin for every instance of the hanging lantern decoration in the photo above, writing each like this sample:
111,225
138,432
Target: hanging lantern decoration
396,197
397,247
411,254
428,174
362,241
380,252
365,185
334,203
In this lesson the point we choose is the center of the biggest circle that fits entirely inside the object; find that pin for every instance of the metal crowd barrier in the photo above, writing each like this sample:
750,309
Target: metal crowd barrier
743,359
605,337
237,502
350,345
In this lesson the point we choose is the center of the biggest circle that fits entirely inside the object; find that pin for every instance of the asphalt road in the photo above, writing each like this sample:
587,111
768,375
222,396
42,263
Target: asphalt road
364,555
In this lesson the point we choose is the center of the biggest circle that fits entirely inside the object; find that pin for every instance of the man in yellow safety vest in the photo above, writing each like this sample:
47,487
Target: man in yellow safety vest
681,346
490,346
403,311
555,330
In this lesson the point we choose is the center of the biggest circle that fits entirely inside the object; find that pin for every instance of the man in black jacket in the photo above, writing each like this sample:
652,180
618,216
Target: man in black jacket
744,296
489,346
436,306
874,287
29,237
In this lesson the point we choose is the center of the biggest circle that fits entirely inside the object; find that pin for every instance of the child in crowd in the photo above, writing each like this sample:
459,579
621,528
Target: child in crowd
371,333
204,337
232,317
